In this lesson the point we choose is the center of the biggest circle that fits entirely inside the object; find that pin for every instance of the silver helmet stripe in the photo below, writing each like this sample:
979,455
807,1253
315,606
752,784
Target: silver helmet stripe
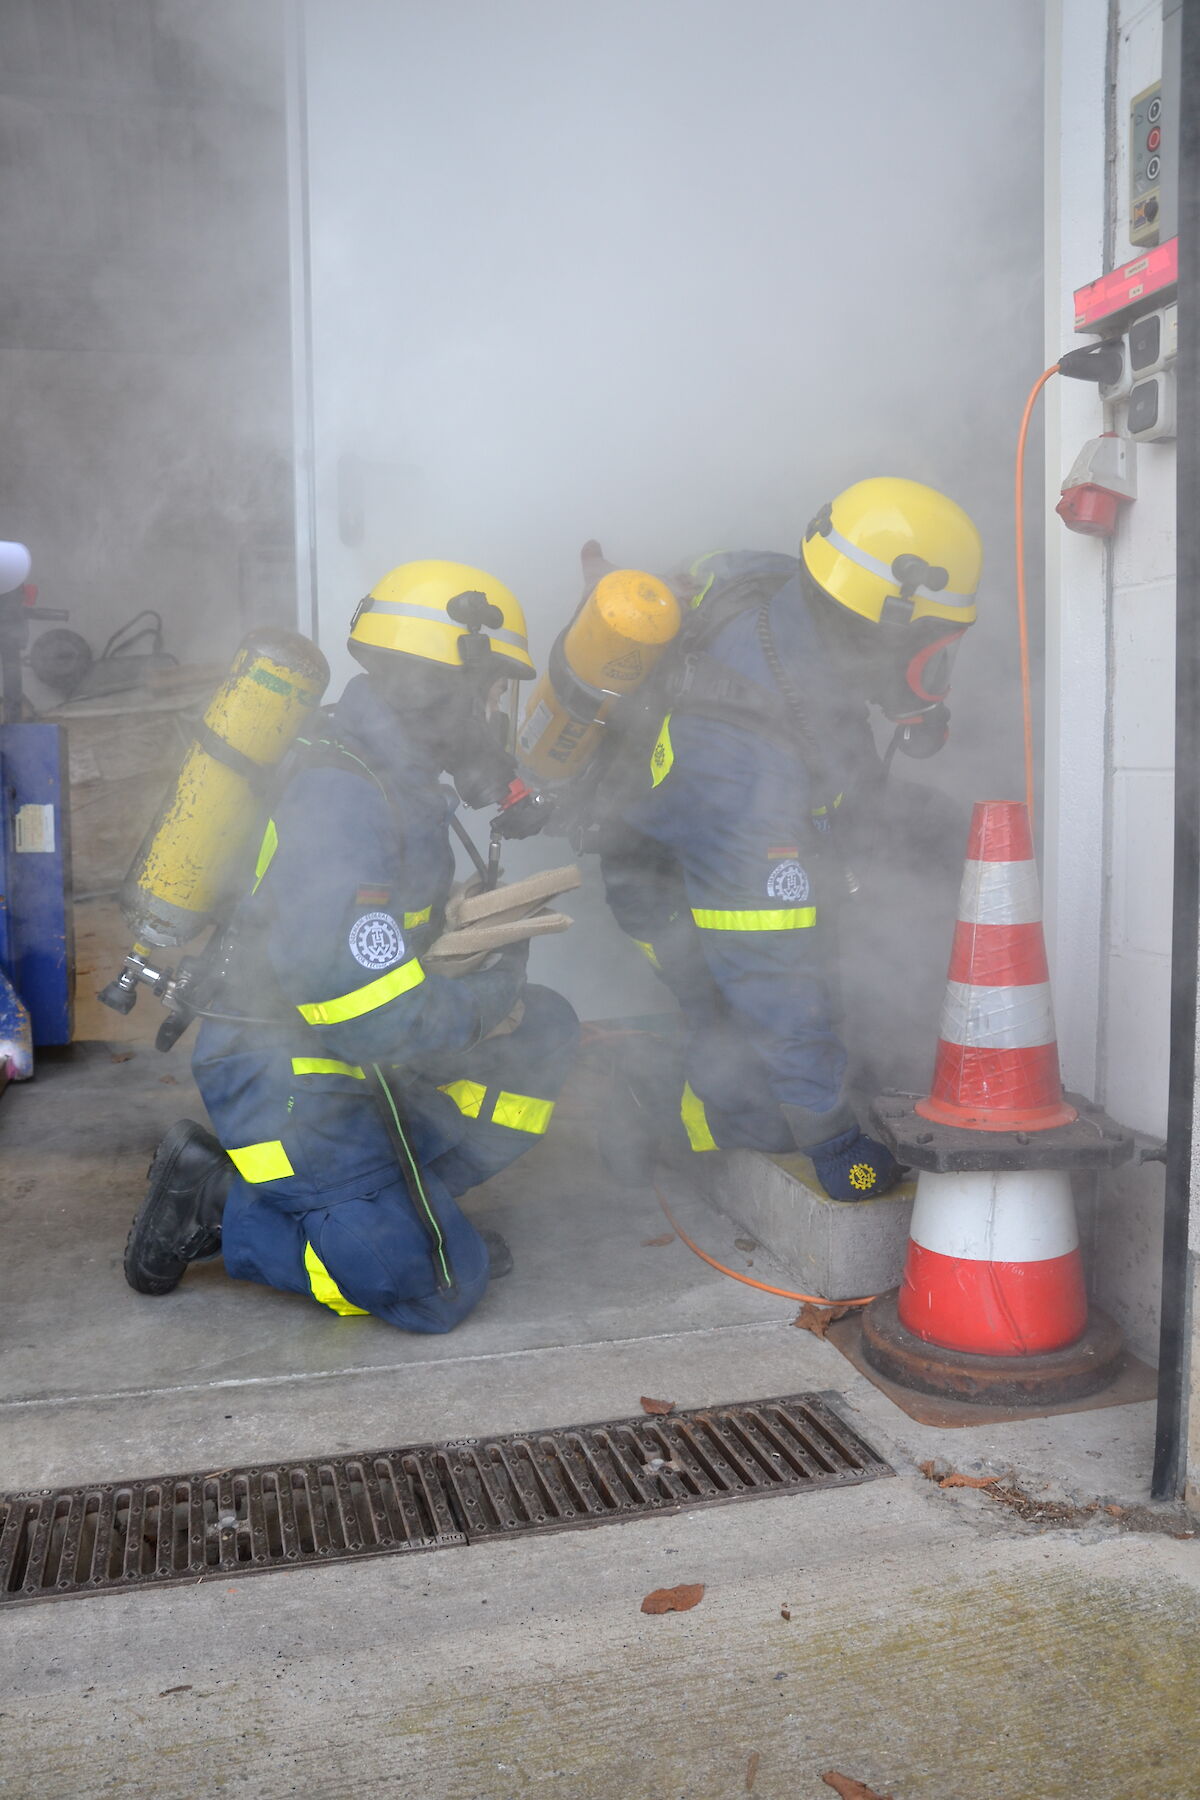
864,560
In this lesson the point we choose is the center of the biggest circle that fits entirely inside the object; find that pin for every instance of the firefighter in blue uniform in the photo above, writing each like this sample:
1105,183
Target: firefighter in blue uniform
356,1095
725,867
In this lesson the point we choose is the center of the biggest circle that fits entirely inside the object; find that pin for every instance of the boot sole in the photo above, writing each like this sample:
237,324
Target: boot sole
158,1175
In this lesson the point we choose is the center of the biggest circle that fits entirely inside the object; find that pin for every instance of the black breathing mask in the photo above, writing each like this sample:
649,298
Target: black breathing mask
912,679
477,758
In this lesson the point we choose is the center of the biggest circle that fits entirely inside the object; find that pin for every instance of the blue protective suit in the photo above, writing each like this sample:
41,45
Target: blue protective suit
721,869
354,1061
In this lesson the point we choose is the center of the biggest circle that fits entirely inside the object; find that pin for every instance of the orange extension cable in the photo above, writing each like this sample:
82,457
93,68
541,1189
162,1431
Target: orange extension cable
746,1280
1022,606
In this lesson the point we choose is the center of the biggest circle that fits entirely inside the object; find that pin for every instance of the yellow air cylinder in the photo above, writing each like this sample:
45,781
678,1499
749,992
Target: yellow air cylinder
608,650
197,846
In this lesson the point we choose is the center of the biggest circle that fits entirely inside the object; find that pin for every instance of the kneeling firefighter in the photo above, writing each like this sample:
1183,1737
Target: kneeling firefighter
355,1094
722,850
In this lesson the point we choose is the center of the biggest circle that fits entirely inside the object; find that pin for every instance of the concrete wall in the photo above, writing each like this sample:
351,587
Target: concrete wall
1110,673
144,354
670,275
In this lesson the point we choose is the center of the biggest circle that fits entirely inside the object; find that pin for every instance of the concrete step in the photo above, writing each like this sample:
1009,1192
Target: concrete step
835,1248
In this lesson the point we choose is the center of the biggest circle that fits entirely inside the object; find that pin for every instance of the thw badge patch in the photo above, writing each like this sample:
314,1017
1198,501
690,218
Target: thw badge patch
376,941
788,882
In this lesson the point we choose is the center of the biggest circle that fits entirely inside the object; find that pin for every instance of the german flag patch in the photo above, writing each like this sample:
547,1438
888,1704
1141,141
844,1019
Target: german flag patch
372,896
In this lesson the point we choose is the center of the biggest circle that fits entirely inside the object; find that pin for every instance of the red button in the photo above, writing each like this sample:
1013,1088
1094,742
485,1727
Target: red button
1153,138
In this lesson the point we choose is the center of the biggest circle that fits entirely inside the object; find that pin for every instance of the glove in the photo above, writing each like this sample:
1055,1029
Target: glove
496,989
853,1166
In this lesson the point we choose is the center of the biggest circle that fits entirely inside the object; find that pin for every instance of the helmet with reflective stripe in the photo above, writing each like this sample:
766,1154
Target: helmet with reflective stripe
445,612
895,551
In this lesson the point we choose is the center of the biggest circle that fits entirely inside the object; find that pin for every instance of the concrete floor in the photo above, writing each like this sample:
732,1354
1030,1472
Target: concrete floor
937,1645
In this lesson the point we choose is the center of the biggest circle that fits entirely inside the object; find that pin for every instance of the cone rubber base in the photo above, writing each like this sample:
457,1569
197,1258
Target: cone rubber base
1084,1367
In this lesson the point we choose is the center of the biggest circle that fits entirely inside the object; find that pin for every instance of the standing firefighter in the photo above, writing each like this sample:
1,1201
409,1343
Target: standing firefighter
355,1094
723,863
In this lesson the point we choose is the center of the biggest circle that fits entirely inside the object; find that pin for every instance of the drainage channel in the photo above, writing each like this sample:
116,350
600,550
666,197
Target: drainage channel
121,1535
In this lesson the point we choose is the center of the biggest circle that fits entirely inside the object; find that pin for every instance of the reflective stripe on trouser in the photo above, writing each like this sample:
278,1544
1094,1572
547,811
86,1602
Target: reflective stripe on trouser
695,1120
519,1112
267,1161
325,1288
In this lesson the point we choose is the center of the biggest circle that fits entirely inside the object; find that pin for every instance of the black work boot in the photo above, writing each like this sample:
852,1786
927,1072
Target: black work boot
179,1221
500,1257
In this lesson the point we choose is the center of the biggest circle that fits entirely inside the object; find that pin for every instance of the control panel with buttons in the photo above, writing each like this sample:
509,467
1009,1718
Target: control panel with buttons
1149,147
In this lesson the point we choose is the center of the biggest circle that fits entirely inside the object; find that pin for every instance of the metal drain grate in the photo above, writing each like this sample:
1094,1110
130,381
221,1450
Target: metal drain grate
180,1528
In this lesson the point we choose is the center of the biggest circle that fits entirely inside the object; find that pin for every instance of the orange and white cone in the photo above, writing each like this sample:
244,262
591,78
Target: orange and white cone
993,1264
997,1056
993,1258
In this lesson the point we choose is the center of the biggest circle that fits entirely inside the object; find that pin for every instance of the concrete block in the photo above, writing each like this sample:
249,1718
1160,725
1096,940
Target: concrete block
833,1248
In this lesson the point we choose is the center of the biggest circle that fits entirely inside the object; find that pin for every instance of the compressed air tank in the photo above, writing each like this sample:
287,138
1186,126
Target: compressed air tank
608,650
199,842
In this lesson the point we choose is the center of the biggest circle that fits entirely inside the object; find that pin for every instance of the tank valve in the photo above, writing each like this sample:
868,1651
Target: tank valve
121,993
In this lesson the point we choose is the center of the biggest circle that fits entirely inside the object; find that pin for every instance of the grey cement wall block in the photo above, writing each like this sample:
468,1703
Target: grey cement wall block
834,1248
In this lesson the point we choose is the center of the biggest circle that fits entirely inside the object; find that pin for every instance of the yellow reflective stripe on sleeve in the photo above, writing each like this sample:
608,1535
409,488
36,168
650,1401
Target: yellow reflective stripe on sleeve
417,918
468,1096
325,1288
522,1112
647,951
266,850
786,918
662,755
262,1162
325,1065
819,812
364,999
695,1120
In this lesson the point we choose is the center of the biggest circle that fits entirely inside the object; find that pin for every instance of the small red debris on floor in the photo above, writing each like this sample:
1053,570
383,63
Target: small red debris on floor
850,1789
676,1599
751,1769
818,1319
785,1612
668,1237
660,1408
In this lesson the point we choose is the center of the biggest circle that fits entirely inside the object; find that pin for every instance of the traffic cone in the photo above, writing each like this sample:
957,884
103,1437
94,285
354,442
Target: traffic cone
993,1265
997,1056
992,1306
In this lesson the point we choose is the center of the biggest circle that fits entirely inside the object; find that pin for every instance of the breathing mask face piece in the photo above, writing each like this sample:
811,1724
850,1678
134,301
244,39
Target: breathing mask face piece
910,684
477,760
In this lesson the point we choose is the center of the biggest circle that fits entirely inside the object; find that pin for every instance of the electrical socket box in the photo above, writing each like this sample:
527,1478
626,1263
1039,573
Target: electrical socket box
1153,341
1151,410
1147,155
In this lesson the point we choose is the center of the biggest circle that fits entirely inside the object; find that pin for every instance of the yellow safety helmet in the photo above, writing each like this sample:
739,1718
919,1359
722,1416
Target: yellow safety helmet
896,551
432,610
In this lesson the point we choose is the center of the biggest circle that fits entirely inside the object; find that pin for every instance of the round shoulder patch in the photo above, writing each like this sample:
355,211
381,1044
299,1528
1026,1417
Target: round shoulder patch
788,881
376,940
